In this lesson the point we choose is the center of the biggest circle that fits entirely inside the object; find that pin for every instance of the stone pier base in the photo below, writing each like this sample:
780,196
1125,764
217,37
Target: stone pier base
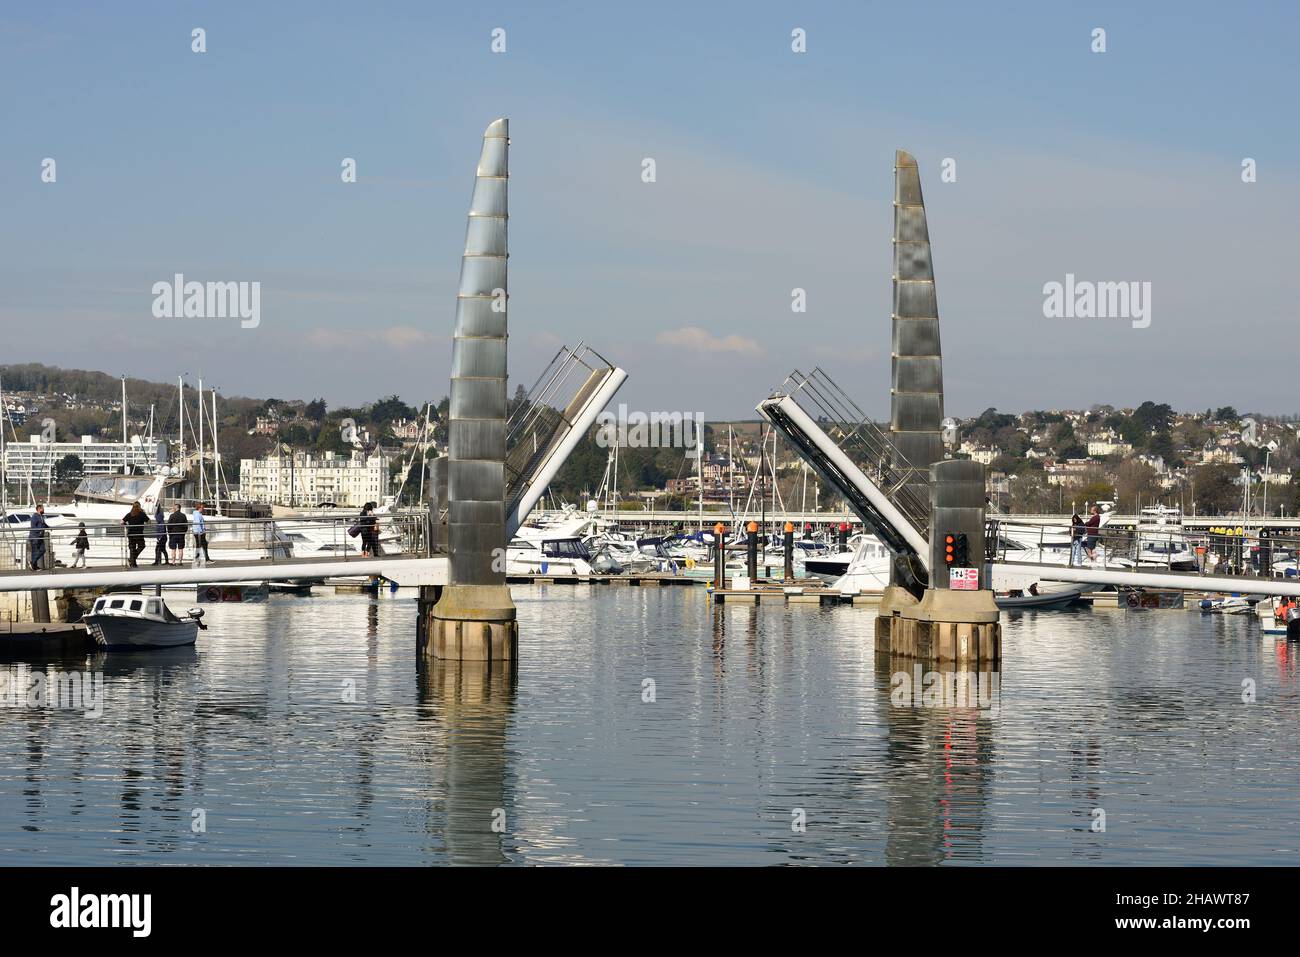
470,623
945,626
894,600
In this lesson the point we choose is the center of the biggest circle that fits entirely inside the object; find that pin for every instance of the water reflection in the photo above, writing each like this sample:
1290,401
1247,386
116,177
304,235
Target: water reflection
307,734
468,707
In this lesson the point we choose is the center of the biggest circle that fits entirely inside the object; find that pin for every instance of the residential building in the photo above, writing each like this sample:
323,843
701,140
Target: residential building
305,480
36,459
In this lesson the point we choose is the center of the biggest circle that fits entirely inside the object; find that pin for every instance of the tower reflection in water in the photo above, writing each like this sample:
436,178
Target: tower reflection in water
471,704
939,751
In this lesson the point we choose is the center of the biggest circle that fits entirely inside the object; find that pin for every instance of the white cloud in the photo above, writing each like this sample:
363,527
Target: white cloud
396,337
695,339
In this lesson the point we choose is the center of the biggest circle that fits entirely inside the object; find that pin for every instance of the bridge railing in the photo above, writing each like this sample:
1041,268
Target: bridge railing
858,437
1220,551
271,540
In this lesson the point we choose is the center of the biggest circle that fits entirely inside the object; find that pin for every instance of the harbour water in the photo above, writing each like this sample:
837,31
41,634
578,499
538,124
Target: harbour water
645,726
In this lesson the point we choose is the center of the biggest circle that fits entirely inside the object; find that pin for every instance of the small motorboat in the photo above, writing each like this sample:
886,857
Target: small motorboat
1232,605
127,622
1042,596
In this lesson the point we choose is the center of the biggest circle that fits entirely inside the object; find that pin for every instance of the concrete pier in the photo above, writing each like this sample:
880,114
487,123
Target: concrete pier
956,620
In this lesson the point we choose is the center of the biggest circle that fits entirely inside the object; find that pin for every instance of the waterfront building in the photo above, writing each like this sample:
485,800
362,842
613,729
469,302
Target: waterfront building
303,479
36,459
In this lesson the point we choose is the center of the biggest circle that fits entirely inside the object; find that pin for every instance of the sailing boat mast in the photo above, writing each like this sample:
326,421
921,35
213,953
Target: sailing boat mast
216,460
201,470
125,469
4,477
180,432
699,468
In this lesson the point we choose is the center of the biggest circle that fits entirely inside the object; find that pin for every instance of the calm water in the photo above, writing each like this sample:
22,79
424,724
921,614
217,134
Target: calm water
760,715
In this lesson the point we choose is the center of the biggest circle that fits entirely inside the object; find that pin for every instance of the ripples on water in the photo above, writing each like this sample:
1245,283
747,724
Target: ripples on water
757,712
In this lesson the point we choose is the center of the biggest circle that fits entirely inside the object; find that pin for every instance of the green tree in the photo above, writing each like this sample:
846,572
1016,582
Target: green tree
1215,488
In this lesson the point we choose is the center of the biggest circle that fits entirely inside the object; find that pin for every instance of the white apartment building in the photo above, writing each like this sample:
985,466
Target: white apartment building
36,459
1108,446
307,480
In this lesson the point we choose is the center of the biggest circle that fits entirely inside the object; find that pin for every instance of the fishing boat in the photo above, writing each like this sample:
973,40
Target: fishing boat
127,622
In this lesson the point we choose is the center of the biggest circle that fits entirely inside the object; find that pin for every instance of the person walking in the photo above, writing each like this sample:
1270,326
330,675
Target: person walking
134,522
372,530
160,545
177,524
1094,530
80,545
200,528
365,522
36,535
1076,539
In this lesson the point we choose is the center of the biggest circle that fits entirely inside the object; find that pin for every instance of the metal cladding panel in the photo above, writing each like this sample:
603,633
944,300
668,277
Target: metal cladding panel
957,483
477,418
916,337
493,160
915,300
480,481
485,236
476,513
477,398
477,317
478,357
478,536
920,373
480,275
917,412
489,198
919,447
907,180
473,439
465,567
909,224
912,261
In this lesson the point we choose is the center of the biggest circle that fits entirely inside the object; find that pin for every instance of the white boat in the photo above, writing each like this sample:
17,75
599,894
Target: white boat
1232,605
869,570
548,556
830,566
126,621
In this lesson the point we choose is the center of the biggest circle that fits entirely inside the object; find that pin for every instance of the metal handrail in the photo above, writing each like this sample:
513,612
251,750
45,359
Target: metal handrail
862,440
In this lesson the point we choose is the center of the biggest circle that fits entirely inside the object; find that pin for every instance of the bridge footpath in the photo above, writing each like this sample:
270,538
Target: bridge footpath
403,570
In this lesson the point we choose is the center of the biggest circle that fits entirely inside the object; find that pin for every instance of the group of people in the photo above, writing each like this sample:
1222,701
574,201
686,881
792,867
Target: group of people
1084,536
169,537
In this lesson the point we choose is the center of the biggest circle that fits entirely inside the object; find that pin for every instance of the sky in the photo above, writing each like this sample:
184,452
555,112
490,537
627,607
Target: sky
773,172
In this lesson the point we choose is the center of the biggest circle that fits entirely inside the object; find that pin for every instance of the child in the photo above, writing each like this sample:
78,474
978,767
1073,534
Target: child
80,545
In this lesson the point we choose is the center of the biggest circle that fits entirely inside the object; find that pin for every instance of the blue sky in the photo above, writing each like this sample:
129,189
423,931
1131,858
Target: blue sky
774,172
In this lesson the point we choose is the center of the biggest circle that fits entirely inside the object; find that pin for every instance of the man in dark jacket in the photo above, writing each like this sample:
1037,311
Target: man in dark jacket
36,533
178,527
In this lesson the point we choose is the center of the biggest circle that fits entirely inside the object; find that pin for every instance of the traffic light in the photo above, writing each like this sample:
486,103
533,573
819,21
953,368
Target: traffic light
961,555
949,548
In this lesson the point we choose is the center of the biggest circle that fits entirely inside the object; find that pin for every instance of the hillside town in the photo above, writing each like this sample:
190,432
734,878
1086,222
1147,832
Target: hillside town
61,426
